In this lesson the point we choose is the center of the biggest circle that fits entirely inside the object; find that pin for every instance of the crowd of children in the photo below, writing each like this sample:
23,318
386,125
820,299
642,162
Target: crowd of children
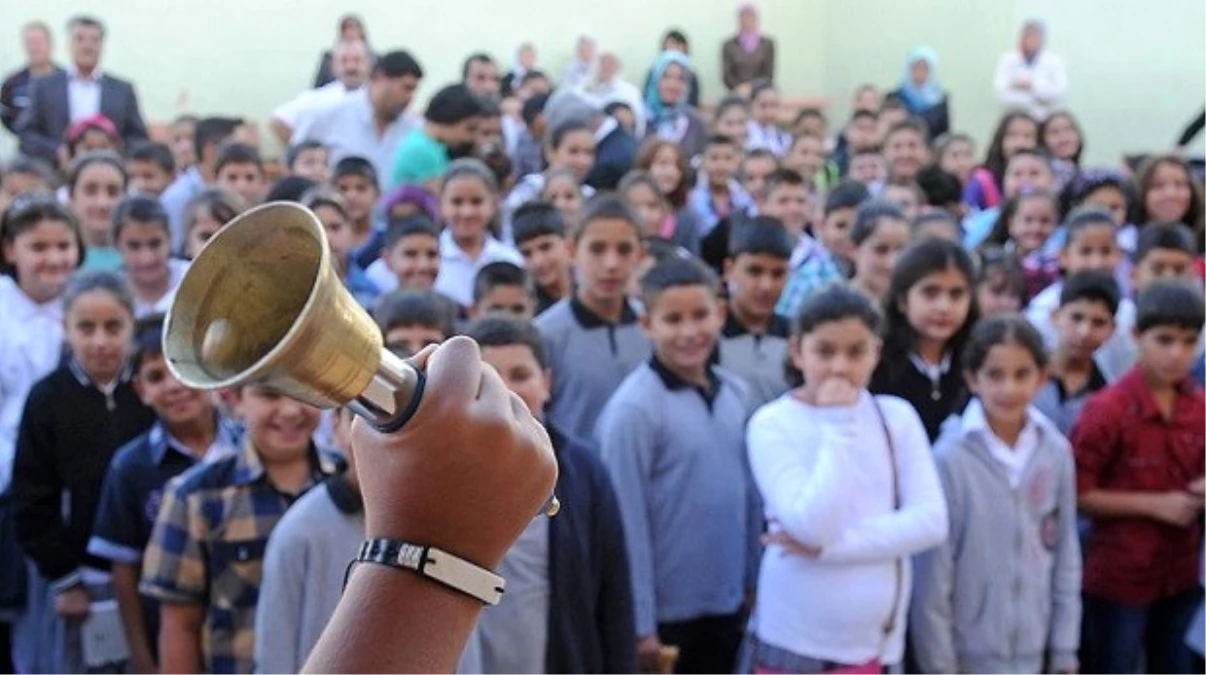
820,401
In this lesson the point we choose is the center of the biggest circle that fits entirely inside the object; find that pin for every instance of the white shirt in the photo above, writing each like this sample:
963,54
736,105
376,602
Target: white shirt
31,344
809,462
1014,459
514,635
348,128
83,94
458,271
176,270
601,94
1047,78
310,102
769,137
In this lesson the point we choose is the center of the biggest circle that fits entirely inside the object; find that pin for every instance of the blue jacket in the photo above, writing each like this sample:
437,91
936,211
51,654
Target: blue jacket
591,624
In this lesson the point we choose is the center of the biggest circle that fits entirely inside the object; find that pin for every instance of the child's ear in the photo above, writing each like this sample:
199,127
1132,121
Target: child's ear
140,389
728,269
644,321
970,381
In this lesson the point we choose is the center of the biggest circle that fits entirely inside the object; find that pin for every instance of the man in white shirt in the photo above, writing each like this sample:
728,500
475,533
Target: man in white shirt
350,62
1031,79
369,123
607,86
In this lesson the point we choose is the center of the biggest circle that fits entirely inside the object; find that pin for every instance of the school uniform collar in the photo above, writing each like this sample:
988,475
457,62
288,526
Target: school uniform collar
975,421
77,371
673,382
588,319
1096,382
452,252
347,500
226,438
933,373
778,327
249,469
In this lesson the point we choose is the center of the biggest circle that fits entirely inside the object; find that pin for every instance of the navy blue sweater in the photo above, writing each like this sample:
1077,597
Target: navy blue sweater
591,625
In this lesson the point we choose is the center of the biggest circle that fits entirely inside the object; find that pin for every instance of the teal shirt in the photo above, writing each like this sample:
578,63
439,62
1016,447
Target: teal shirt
420,158
104,259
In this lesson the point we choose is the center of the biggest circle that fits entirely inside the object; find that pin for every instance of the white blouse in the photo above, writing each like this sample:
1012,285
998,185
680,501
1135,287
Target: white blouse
31,344
825,476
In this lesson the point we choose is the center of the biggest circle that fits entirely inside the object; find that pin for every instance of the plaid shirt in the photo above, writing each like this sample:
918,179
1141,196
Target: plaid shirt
815,270
208,544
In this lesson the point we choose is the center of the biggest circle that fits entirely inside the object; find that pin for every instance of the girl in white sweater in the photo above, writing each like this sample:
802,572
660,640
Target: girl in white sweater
850,491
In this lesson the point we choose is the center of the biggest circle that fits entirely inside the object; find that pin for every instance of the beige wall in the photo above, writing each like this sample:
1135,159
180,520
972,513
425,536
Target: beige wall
1138,69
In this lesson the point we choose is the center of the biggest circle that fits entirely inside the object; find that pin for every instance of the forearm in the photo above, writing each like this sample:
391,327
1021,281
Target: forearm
129,604
179,650
394,621
282,131
1117,504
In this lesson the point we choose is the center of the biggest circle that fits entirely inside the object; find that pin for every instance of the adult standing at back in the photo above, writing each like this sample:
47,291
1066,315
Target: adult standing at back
351,27
14,93
749,55
1031,78
81,91
369,123
921,93
351,62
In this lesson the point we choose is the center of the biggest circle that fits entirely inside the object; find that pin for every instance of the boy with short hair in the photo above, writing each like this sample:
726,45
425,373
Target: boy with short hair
411,320
308,159
691,567
823,259
906,149
151,168
578,560
410,256
240,170
867,166
718,195
206,552
905,195
592,336
753,342
356,180
306,561
188,429
539,232
502,288
1140,471
1083,322
1163,251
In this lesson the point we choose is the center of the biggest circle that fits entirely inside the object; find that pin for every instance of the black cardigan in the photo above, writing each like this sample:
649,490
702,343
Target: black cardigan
896,375
68,433
591,626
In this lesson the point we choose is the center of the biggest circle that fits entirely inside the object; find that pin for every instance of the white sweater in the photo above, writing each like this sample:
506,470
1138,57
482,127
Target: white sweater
825,478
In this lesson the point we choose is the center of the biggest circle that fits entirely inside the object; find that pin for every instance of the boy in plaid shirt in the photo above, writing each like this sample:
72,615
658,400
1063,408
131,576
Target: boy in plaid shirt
206,553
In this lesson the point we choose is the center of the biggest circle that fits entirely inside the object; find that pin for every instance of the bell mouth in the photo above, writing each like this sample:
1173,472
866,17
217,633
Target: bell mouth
240,301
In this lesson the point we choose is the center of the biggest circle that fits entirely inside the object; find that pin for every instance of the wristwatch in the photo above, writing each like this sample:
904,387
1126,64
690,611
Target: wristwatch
436,564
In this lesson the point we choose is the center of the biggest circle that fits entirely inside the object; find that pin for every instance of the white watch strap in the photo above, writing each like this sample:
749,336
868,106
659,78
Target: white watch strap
436,564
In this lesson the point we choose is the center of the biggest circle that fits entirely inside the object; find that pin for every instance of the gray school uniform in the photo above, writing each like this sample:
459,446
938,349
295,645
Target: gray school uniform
676,455
1002,595
589,358
1063,408
757,358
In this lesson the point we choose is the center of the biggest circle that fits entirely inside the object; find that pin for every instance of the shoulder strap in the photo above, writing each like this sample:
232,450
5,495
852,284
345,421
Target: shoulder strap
898,563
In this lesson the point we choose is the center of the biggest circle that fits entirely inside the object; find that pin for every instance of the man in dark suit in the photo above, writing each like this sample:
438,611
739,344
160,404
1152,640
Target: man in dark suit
14,93
58,99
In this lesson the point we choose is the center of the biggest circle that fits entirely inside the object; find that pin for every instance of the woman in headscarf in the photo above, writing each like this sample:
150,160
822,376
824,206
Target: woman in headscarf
921,93
525,61
668,112
582,68
351,27
748,56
